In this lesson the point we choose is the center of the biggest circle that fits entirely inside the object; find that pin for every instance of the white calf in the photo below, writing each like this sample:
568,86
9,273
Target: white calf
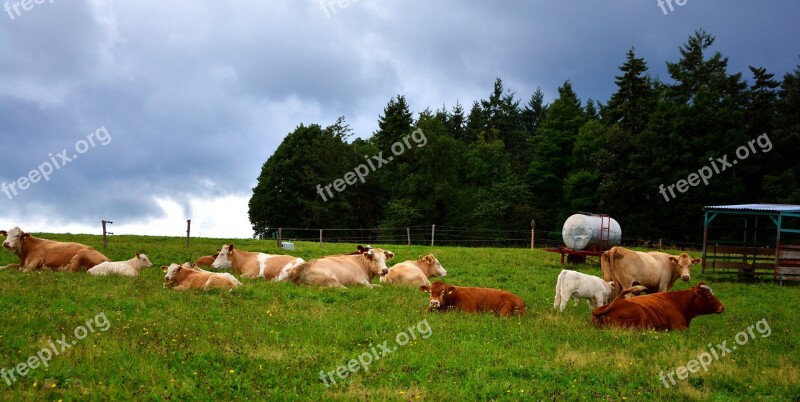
572,284
131,267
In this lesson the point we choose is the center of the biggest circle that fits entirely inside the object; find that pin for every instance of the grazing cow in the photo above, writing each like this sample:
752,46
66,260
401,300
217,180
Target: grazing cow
414,273
35,253
661,311
654,270
255,265
131,267
184,277
472,300
206,261
342,270
572,284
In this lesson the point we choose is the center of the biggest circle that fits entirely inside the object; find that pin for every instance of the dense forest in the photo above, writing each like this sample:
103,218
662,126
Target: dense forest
507,160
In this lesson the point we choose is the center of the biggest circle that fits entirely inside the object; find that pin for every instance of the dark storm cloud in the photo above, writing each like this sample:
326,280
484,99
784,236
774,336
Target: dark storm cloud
197,95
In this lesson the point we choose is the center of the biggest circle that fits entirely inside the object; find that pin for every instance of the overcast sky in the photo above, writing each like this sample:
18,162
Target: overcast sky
190,98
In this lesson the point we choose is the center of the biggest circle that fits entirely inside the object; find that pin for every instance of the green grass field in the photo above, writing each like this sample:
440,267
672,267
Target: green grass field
272,340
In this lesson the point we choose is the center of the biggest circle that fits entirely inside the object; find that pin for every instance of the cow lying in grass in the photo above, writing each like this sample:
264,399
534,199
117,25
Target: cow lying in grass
342,270
572,284
660,311
206,261
414,273
35,253
131,267
473,300
255,265
184,277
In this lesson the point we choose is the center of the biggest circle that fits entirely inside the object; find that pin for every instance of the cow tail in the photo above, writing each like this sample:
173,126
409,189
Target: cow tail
604,309
559,294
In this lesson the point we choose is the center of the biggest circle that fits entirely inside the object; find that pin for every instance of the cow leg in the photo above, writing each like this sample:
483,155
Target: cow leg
506,309
557,301
577,301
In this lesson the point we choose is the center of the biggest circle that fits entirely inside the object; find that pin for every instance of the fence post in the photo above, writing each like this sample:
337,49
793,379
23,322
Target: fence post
105,233
280,243
659,244
533,224
188,231
408,234
320,238
433,233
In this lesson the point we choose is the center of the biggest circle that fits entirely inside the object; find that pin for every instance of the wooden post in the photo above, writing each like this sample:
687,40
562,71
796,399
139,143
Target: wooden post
105,233
408,235
320,238
433,233
533,225
188,231
280,243
105,239
659,244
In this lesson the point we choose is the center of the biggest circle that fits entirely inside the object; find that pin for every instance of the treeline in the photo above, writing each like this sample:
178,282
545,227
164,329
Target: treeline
505,162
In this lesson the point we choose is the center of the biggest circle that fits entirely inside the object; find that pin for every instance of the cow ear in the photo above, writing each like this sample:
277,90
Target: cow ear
673,259
25,236
230,247
137,254
389,255
425,288
3,233
697,261
369,255
164,268
451,289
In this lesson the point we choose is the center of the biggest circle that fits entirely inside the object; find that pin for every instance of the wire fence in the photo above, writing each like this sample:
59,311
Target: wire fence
436,235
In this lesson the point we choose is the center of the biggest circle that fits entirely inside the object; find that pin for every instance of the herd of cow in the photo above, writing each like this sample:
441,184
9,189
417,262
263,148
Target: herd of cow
625,273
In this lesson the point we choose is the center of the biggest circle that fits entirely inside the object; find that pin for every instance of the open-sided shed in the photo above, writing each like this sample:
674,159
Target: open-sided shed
752,240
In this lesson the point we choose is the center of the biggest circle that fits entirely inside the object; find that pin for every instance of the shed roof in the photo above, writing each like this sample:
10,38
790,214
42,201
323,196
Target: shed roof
756,207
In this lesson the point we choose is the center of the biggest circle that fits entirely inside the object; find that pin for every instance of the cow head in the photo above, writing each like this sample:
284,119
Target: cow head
705,302
143,260
377,260
439,292
436,266
682,265
14,238
173,270
223,257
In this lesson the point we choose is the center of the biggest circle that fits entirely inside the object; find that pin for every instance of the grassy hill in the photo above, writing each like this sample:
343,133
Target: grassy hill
273,340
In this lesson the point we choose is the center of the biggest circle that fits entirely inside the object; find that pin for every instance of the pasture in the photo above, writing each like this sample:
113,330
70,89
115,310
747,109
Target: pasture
272,340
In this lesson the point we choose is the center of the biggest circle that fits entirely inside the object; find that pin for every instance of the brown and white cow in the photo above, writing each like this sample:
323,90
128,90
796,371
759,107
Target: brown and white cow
343,270
660,311
35,253
473,300
414,273
206,261
255,265
184,277
654,270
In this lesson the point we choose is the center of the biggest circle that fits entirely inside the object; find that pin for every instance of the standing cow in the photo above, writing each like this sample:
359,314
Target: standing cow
654,270
572,284
342,270
35,253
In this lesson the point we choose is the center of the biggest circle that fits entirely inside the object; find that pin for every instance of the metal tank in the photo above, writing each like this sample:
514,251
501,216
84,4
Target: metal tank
582,231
